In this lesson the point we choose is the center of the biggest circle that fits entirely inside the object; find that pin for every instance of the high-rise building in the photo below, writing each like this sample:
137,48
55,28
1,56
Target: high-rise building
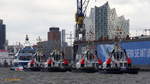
2,34
104,22
54,38
54,33
63,38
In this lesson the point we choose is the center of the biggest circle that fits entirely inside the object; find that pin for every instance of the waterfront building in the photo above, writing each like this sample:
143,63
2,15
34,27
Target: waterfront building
103,22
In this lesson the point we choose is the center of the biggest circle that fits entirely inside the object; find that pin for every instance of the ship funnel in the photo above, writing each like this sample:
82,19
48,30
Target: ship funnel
27,42
27,38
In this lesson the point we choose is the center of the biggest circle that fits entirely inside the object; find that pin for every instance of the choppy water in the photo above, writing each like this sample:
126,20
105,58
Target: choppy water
12,77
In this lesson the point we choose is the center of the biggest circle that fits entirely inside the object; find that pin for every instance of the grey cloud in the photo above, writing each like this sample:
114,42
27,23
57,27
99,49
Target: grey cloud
126,2
34,17
122,1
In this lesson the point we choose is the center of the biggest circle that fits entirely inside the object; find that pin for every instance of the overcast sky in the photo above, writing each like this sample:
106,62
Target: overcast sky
34,17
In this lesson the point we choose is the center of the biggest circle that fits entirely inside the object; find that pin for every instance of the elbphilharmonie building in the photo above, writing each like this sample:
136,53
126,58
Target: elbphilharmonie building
104,22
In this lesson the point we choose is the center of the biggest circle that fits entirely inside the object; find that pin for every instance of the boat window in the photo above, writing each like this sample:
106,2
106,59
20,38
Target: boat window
56,57
27,50
116,55
25,57
89,55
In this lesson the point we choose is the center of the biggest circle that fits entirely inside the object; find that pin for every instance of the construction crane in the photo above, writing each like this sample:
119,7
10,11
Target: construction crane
80,16
82,6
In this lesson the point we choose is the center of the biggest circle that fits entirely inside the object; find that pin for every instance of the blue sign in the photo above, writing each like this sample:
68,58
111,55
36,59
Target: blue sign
138,51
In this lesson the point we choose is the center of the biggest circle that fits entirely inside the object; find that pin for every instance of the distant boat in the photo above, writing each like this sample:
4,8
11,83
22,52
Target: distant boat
23,56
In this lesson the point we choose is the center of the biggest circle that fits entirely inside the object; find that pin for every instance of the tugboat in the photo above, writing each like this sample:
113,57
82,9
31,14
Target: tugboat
34,64
23,56
118,62
57,62
87,62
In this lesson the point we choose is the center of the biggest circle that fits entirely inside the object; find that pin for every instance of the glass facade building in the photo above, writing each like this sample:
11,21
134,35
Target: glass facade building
104,22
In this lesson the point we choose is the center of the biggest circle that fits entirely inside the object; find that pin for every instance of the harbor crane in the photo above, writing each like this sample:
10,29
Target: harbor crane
79,17
80,30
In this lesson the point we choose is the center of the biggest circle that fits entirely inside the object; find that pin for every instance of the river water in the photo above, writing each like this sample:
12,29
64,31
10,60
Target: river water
13,77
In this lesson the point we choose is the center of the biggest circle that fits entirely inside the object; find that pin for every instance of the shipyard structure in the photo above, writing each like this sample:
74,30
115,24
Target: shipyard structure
103,22
103,26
